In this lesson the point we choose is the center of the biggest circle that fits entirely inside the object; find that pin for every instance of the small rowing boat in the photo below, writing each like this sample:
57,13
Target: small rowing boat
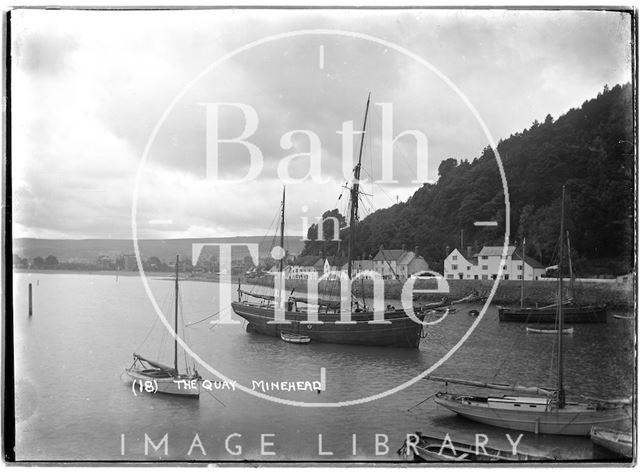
622,317
549,331
294,338
613,440
421,448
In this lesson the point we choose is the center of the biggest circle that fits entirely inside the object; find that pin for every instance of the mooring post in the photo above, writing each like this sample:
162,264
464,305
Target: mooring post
30,300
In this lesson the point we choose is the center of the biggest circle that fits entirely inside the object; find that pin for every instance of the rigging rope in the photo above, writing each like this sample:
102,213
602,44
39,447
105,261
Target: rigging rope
207,317
214,397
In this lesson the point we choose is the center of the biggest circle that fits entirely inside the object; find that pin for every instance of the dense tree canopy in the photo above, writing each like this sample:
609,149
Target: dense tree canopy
589,150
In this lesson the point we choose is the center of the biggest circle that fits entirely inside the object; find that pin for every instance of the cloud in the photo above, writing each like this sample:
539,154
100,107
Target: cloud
43,55
90,86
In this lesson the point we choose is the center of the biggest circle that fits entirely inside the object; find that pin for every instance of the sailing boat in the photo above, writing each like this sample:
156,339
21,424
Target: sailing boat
398,330
543,410
573,313
166,379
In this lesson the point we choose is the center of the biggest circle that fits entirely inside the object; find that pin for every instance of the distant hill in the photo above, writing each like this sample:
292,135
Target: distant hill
590,150
164,249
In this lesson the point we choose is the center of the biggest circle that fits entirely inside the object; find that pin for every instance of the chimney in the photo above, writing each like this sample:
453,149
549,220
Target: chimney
321,254
446,250
415,249
404,247
381,247
468,252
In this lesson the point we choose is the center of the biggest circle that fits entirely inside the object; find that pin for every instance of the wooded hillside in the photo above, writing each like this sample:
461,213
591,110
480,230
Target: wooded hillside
589,150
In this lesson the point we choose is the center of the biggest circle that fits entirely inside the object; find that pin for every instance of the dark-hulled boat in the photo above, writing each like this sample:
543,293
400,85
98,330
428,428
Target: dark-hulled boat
398,329
401,331
573,314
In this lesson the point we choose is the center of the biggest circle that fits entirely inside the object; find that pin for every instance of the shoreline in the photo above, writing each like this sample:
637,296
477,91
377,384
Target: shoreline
508,292
126,273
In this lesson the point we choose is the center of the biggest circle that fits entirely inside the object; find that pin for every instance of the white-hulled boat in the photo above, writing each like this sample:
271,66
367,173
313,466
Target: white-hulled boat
617,441
294,338
548,331
161,378
541,410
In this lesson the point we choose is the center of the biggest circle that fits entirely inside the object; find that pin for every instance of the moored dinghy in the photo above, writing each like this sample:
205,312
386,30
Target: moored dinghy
294,338
422,448
548,330
617,441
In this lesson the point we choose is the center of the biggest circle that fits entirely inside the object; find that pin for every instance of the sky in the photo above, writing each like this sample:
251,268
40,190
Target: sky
199,117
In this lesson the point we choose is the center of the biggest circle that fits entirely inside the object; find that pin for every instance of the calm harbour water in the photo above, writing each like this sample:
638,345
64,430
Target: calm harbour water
71,403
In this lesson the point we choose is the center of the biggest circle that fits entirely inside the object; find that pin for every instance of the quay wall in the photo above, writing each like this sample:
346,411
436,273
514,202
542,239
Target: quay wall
540,292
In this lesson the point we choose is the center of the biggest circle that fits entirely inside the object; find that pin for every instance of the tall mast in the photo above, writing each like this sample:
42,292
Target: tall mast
524,243
561,399
571,274
355,192
175,340
282,231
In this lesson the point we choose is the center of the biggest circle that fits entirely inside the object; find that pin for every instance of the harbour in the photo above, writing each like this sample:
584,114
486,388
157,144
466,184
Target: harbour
321,236
95,407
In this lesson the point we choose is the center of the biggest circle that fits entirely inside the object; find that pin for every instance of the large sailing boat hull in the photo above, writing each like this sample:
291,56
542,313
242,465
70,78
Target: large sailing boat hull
573,420
571,314
402,331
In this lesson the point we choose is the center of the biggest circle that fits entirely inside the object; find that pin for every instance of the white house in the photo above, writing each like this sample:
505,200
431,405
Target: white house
398,263
306,267
486,264
358,266
334,263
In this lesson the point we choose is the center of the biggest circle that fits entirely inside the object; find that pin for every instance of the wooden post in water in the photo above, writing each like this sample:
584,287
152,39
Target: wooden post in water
30,300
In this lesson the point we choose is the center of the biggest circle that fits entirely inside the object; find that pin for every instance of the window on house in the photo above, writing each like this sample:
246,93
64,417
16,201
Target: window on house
484,267
506,276
449,276
504,267
519,266
455,258
484,258
519,277
468,267
454,266
485,277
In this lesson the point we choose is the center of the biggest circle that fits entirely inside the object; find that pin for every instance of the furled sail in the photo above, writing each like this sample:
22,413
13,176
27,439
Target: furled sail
496,386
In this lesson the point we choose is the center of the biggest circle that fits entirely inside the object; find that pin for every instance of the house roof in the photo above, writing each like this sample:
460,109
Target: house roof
336,261
496,251
528,260
407,257
389,255
455,249
307,261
